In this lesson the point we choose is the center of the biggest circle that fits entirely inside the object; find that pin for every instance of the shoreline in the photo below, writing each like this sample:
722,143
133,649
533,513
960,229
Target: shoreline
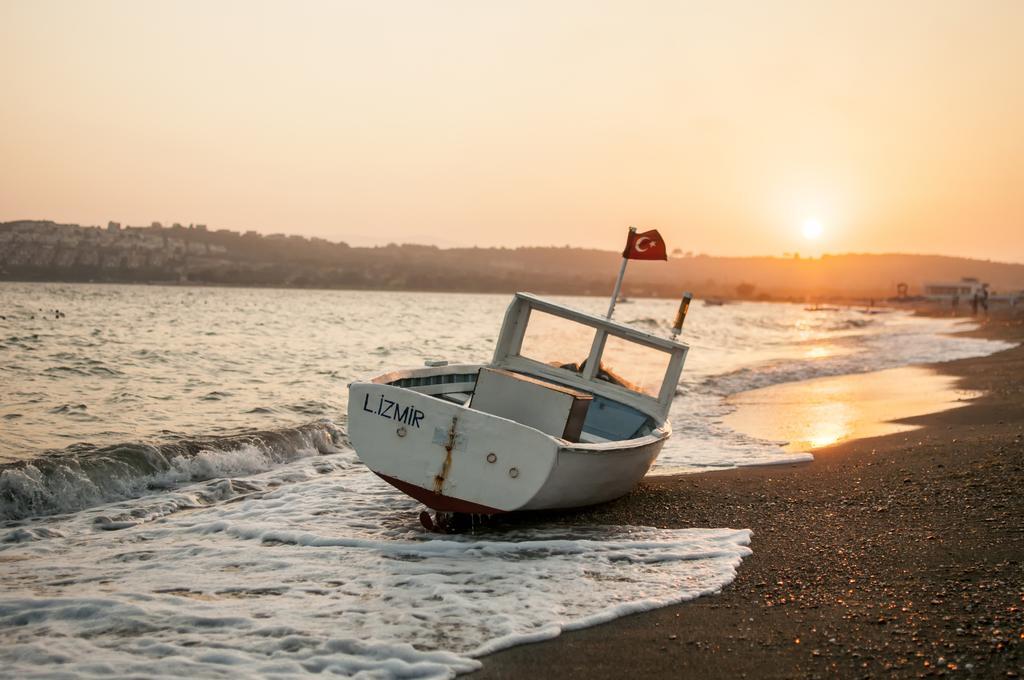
851,301
892,555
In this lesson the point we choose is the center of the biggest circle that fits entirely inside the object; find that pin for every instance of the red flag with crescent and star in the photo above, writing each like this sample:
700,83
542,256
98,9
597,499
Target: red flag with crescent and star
646,246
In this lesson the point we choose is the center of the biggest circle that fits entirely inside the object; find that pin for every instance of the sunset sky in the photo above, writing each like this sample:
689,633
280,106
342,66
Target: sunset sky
735,128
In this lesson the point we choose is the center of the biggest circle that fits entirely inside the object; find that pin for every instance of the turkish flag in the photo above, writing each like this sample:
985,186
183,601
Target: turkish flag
646,246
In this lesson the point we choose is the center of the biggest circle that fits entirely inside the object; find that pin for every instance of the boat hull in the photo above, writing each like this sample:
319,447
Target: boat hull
588,476
437,501
454,459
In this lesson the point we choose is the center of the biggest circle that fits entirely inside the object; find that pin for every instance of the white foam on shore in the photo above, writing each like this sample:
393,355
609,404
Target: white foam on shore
320,568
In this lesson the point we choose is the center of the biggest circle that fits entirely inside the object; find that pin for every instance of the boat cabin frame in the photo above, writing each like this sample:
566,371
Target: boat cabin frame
513,331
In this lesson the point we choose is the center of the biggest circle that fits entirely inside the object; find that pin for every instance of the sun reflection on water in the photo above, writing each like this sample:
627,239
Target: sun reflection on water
818,352
816,413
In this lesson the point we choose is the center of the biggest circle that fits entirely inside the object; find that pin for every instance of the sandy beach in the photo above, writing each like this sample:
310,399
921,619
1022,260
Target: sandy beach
899,555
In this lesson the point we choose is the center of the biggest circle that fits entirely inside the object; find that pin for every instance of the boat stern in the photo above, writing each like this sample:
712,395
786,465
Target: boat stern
447,456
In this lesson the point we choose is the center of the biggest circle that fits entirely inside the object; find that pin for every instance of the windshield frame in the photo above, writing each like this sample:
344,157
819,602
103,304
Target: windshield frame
513,331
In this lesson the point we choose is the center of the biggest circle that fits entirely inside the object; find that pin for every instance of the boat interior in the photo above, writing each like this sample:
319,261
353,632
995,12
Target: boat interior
606,420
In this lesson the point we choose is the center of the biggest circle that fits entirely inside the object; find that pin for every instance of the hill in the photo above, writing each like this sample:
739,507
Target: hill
46,251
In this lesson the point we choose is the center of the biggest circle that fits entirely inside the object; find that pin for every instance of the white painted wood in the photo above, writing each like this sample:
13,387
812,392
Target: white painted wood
417,457
551,409
584,476
506,353
596,350
620,329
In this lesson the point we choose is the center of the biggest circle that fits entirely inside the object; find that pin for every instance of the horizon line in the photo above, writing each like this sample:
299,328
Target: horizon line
690,254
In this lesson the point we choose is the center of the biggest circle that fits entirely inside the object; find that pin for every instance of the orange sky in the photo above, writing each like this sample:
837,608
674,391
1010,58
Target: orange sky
899,126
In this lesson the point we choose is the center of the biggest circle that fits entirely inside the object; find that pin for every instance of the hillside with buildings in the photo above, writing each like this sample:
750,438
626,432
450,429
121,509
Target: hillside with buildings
46,251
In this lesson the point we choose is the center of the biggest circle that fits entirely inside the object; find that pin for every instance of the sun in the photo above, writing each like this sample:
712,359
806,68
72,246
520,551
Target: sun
812,229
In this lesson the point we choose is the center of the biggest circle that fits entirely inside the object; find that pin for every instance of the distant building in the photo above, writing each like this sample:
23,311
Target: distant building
113,226
966,288
200,227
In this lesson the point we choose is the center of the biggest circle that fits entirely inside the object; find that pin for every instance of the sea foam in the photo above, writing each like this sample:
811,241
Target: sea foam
323,570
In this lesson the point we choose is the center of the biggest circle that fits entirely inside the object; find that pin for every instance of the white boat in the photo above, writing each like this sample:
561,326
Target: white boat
522,433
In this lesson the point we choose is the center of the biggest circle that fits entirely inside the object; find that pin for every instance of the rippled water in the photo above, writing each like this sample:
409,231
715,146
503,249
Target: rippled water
158,363
177,494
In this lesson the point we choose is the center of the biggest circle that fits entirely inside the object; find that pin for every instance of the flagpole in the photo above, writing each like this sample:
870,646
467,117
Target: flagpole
618,281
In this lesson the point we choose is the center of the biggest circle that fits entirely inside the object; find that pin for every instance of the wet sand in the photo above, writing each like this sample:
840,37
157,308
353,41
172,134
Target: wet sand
812,414
896,556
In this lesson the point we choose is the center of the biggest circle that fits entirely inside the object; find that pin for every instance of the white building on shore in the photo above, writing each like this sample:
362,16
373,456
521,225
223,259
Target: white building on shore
966,288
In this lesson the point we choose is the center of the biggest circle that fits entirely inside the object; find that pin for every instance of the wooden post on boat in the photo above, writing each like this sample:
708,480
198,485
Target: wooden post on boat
622,273
684,307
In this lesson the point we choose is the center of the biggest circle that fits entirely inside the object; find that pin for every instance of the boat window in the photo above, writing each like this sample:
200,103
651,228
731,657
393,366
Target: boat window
639,368
556,341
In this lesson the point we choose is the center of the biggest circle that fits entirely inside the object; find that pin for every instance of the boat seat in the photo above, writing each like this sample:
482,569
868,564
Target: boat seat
460,398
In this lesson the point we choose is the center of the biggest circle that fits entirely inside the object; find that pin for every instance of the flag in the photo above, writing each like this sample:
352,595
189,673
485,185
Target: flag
646,246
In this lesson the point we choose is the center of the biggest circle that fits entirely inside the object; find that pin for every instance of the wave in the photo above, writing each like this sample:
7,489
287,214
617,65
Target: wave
869,353
849,324
84,476
774,373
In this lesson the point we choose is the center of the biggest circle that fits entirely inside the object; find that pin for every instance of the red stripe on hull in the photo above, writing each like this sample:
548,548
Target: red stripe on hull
436,501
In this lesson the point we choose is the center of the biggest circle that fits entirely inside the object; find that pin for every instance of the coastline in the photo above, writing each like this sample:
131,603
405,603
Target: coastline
897,555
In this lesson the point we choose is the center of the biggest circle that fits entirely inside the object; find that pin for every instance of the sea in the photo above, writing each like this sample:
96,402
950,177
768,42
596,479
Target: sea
178,495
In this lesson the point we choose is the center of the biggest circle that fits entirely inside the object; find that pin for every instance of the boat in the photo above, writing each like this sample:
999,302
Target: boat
523,432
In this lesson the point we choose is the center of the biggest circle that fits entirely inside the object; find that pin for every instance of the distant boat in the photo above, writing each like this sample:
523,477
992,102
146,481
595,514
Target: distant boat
517,433
714,302
821,308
